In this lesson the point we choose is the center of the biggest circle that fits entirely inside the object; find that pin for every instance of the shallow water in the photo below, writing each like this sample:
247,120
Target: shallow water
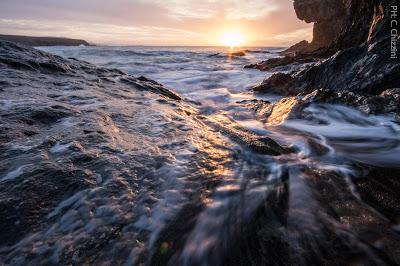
123,176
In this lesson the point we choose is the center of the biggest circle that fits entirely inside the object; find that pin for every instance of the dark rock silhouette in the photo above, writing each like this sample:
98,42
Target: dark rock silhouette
355,36
278,83
43,41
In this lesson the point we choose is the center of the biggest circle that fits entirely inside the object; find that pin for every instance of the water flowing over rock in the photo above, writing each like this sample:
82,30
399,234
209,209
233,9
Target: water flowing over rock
102,167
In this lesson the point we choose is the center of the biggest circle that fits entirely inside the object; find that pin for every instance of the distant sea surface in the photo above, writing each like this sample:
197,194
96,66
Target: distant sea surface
183,69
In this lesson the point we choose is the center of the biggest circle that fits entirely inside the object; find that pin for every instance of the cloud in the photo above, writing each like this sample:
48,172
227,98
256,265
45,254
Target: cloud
179,22
98,33
230,9
290,37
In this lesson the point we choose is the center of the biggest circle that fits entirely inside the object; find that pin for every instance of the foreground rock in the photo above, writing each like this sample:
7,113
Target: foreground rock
101,167
388,102
257,143
385,103
73,139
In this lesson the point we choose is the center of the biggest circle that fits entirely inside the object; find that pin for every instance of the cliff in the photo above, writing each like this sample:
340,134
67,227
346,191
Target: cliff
43,41
338,24
362,61
355,37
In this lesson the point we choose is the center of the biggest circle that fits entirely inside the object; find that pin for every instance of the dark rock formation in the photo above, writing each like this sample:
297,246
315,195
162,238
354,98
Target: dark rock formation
44,63
278,83
275,63
277,113
329,17
386,102
297,48
338,24
292,107
238,53
272,63
380,189
257,143
357,35
43,41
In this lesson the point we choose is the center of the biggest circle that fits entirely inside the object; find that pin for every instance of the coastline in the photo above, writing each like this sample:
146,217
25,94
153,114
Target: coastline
104,165
43,41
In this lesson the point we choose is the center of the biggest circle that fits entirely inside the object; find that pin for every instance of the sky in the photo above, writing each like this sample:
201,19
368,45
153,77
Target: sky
157,22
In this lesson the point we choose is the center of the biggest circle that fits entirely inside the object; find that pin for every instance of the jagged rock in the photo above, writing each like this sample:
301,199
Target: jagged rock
258,143
277,113
360,59
24,58
329,17
272,63
287,108
334,22
263,108
278,83
150,85
363,63
300,47
292,107
280,62
387,102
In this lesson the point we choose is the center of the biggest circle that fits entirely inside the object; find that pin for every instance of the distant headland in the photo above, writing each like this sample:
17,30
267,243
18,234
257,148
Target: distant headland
43,41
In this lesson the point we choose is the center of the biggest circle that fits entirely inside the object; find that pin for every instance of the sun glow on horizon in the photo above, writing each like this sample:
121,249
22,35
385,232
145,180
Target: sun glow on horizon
232,39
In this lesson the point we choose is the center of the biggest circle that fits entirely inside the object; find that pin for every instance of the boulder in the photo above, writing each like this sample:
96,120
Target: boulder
278,83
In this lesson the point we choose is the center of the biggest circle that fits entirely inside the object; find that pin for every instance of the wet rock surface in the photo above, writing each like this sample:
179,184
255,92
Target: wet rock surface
101,167
278,83
287,60
385,103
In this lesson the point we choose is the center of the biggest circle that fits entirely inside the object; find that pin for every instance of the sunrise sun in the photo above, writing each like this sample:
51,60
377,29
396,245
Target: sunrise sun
232,39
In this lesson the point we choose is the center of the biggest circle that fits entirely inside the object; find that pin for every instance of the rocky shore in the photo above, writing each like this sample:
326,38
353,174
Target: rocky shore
96,162
351,53
100,167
